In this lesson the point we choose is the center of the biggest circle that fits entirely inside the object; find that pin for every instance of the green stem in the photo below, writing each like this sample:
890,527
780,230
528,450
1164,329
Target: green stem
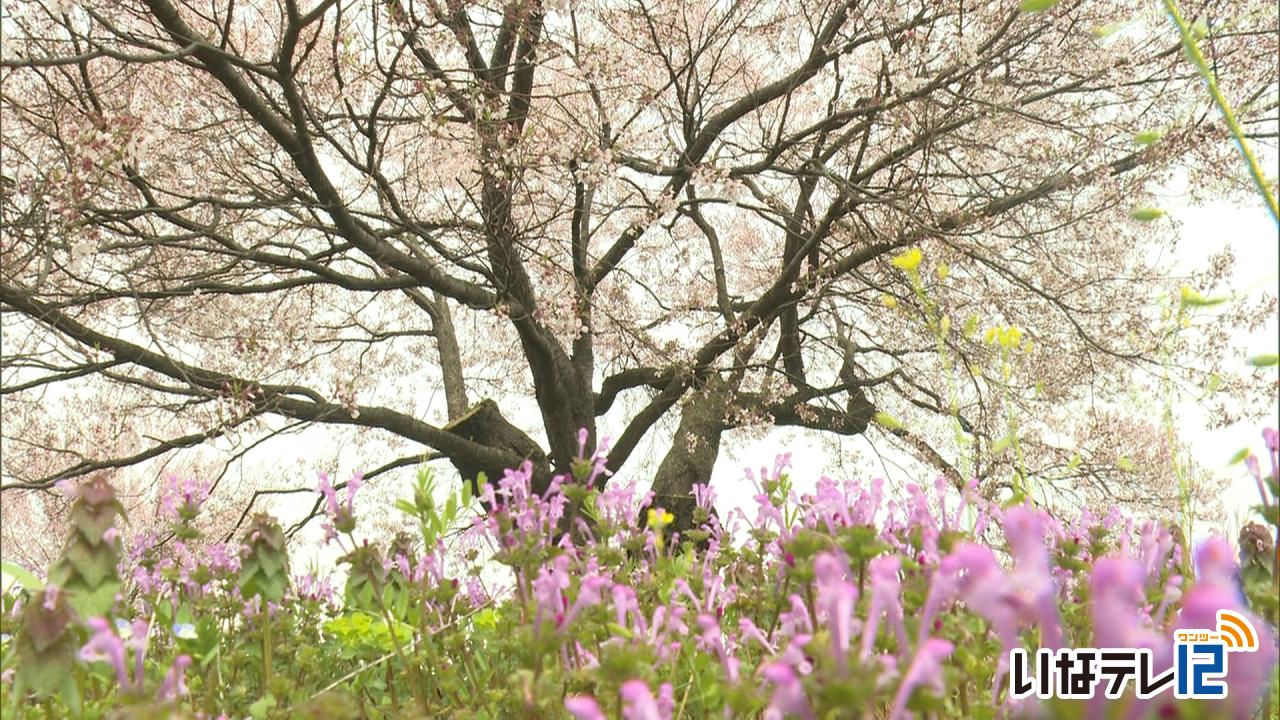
1211,81
266,652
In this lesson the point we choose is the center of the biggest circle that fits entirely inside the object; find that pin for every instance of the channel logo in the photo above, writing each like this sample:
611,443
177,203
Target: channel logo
1199,666
1236,632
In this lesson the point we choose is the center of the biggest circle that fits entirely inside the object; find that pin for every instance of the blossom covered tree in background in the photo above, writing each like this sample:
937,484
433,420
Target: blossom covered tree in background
222,222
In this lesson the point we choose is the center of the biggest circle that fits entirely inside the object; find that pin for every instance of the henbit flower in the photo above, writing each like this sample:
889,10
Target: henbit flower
836,596
137,640
987,593
1216,565
1117,595
925,669
713,639
1271,439
795,656
886,590
624,603
638,702
796,619
174,685
590,593
340,517
749,630
548,591
325,488
476,594
666,699
920,517
582,707
181,498
1032,579
944,585
1154,546
788,698
105,645
704,496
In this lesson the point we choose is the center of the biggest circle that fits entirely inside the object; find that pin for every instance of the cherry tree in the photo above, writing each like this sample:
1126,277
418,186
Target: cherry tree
930,222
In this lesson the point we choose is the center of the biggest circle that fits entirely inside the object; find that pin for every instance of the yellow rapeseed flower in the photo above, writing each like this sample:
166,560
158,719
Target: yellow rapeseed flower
909,260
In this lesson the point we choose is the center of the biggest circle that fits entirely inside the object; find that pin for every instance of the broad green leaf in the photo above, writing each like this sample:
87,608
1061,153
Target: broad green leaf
22,576
1146,214
1263,361
1239,457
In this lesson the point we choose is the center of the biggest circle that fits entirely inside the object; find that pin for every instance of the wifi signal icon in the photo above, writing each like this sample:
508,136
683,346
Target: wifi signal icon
1236,632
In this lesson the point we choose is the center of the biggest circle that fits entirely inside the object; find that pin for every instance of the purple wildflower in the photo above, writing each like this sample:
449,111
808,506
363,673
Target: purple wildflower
582,707
174,685
788,698
836,598
106,645
925,670
886,590
638,702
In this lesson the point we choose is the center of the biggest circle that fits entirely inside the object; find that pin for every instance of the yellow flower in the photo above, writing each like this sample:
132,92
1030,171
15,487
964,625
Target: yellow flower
657,520
1012,336
943,271
909,260
889,301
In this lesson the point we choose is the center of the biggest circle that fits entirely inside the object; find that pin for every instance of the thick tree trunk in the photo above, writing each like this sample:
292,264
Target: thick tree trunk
484,423
693,452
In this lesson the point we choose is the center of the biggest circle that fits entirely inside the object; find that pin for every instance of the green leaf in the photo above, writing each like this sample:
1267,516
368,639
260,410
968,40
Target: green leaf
1107,30
1214,384
888,421
1264,361
1002,444
1035,6
1239,457
1192,298
1148,138
22,576
1126,464
1146,214
259,709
